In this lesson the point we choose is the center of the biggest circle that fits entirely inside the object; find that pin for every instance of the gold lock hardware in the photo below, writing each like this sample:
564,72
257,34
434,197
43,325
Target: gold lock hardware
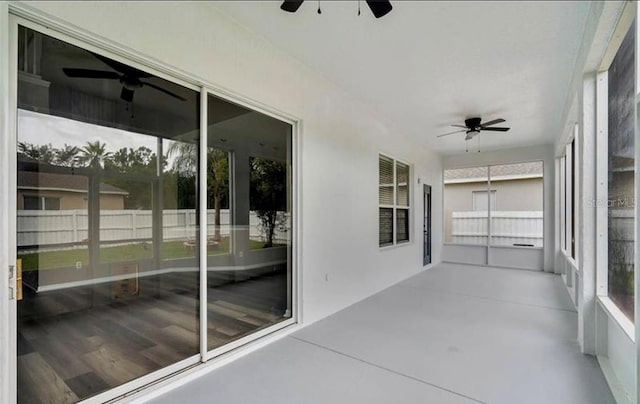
19,279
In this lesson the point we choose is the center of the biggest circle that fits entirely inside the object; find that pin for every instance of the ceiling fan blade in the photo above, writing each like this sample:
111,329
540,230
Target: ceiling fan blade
379,8
121,67
90,74
495,121
291,5
126,94
164,91
451,133
496,129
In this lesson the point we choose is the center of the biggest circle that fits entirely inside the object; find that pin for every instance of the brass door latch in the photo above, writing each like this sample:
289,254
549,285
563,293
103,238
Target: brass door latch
15,280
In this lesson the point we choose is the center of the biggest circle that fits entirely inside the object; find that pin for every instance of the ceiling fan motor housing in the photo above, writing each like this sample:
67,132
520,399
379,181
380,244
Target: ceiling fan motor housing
472,123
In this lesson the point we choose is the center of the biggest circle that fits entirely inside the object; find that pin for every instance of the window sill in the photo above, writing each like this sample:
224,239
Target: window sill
396,245
618,316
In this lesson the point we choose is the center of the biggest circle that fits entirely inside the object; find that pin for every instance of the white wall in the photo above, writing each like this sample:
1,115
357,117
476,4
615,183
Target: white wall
340,139
519,257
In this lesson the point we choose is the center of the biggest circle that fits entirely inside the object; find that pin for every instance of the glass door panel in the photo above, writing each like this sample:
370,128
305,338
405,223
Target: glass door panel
249,222
106,221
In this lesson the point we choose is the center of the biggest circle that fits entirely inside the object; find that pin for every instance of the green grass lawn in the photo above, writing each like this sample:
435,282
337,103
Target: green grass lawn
131,252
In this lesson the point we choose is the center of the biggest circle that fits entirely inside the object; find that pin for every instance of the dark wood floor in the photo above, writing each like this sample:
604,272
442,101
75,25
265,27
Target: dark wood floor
75,344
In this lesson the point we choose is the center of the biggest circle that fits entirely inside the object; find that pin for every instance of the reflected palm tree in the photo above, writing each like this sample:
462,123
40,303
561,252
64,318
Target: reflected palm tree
67,155
186,162
95,154
43,153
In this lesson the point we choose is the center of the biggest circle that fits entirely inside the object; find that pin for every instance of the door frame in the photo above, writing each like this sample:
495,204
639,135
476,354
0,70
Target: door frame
14,14
428,226
8,306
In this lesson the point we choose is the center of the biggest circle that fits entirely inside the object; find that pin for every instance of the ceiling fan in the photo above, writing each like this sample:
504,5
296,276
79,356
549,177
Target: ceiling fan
129,77
473,127
379,8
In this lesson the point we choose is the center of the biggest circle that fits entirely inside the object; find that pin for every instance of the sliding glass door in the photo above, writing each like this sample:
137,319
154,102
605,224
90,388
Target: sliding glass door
249,236
108,229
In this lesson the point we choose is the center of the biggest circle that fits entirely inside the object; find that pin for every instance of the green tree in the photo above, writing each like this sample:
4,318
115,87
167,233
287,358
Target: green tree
217,182
186,163
95,154
42,153
141,162
67,155
268,197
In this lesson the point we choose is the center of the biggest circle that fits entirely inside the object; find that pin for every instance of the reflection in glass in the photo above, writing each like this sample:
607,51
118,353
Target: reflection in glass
516,202
621,169
268,201
466,205
402,215
386,200
106,222
249,222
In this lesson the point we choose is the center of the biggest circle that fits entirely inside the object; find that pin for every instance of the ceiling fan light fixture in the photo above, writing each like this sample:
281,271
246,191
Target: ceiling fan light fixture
471,134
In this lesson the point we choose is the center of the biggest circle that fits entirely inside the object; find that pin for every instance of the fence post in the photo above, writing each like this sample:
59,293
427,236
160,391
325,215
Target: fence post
75,226
134,230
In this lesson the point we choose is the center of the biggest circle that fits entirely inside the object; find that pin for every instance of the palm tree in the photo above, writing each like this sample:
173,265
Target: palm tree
67,155
186,162
95,154
217,177
43,153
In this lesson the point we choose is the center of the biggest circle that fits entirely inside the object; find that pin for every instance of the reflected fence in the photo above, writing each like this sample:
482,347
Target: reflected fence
55,230
508,228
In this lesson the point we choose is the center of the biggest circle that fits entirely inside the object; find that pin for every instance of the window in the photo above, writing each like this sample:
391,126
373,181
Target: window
621,175
32,203
474,215
41,203
393,200
568,206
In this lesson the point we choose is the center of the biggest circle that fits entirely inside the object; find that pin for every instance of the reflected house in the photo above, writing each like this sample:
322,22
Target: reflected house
49,191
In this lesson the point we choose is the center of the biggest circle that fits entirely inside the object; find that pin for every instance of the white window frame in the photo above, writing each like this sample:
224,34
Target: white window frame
611,322
395,205
601,207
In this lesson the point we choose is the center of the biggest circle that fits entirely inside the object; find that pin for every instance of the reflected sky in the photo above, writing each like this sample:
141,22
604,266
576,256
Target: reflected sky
41,129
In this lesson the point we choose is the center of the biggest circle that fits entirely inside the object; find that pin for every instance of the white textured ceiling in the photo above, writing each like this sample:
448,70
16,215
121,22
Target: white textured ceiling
429,64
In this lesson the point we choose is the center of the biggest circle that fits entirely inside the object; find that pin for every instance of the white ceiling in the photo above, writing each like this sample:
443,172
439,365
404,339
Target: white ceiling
429,64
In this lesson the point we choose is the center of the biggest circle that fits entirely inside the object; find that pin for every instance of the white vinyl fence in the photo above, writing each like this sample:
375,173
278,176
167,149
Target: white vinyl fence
48,228
508,228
